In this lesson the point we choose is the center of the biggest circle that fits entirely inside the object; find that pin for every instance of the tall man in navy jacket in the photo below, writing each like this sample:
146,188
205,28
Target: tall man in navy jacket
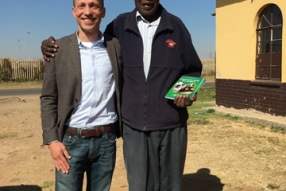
157,49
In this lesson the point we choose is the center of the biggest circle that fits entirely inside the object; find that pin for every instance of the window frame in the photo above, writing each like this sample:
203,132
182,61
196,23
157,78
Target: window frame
269,61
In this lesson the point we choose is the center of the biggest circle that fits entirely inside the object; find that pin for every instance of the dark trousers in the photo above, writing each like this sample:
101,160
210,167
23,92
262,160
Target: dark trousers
154,160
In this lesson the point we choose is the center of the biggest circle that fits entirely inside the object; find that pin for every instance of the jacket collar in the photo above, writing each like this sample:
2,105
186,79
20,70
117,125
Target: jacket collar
74,54
165,23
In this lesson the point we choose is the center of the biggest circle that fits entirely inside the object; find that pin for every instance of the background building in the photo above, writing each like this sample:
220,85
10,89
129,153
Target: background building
251,55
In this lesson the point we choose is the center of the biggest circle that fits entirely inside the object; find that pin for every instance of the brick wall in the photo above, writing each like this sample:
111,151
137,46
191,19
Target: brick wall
264,96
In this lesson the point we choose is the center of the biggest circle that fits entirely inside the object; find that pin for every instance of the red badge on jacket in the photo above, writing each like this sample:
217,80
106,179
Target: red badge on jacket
170,43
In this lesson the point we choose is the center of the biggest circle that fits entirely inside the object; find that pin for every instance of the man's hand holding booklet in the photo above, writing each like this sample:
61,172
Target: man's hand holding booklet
186,85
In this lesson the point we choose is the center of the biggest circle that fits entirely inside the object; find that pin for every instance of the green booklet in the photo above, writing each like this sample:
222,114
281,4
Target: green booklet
186,85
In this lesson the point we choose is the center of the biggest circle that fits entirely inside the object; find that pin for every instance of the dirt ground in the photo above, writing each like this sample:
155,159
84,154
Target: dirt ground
223,155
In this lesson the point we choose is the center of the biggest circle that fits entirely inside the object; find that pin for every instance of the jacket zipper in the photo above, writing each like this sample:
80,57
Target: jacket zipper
145,106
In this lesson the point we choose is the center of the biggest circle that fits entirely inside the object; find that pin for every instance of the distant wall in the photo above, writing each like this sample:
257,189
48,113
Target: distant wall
20,70
208,67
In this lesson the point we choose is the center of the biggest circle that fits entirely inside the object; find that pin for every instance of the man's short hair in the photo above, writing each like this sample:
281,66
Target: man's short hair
102,1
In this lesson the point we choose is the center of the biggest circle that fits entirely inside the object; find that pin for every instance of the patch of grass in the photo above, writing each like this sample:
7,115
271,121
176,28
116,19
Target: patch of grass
206,98
277,129
15,180
199,116
206,94
273,140
48,184
261,126
8,135
21,84
228,116
30,136
263,150
273,186
197,107
260,189
199,121
210,111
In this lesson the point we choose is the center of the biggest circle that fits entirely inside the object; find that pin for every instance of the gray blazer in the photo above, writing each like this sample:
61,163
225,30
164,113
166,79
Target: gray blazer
61,89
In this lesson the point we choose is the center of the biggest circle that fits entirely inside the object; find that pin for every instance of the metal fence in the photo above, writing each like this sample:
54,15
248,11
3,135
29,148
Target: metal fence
20,70
208,67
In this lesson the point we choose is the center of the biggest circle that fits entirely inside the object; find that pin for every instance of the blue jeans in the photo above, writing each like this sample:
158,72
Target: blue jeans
95,156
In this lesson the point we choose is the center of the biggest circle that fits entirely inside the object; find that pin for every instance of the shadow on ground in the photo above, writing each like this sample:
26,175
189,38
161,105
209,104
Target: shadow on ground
202,180
21,188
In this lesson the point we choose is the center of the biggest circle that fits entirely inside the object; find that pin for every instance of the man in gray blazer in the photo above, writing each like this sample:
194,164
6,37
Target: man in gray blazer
80,102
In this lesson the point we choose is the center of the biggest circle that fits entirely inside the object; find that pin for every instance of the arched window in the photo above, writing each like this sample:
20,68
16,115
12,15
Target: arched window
269,44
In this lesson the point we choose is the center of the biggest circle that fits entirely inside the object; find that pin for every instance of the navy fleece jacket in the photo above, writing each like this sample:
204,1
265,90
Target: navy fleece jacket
144,106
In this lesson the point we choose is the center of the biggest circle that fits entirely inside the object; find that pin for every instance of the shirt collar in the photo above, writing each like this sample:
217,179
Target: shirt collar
97,43
139,18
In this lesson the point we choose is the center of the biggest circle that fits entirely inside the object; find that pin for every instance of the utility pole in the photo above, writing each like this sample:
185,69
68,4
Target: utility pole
19,49
29,44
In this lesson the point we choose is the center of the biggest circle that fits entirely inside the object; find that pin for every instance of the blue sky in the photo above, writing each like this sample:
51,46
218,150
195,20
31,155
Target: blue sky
44,18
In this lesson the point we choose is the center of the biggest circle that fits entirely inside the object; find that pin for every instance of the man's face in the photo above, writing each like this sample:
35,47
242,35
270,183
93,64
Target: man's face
88,14
148,9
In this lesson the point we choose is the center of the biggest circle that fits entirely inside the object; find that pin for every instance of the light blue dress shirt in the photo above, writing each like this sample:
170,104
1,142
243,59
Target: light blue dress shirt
97,104
147,31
